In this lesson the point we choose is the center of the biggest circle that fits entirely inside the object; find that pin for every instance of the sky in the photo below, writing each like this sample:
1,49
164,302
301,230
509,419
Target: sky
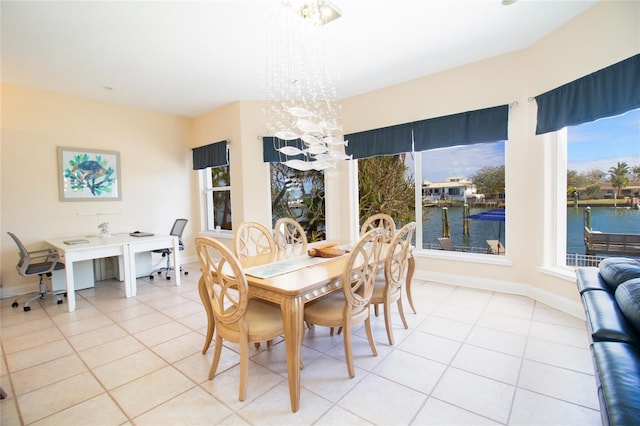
597,145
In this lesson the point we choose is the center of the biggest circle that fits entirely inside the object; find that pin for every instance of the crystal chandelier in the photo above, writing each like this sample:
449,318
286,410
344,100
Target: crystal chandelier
302,106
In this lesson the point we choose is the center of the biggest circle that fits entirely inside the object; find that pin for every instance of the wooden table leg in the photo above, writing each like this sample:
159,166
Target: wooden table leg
211,321
410,270
293,318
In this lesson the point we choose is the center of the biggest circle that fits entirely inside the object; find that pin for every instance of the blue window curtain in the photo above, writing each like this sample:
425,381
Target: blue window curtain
466,128
270,145
212,155
605,93
384,141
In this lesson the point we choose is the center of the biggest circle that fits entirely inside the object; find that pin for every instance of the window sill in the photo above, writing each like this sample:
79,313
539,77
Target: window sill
487,259
223,234
562,272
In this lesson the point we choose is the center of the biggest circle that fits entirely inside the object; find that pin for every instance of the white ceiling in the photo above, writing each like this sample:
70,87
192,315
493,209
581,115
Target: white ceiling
189,57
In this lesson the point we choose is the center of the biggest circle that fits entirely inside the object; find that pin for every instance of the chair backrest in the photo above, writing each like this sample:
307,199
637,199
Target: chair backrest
252,238
290,236
177,229
380,220
446,244
396,259
25,258
224,280
36,262
359,275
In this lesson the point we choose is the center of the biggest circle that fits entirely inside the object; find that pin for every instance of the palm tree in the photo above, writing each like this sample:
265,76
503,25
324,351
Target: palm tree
635,171
619,178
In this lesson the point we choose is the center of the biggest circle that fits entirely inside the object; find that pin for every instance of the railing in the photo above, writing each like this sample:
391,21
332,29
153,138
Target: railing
579,260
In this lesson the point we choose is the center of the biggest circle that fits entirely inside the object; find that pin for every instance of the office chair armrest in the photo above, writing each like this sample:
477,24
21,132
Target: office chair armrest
49,254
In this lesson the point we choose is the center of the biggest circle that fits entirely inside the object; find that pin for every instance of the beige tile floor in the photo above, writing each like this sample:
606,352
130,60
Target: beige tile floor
469,357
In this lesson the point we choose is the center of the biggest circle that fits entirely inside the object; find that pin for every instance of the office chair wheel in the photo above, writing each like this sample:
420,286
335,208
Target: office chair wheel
14,305
150,277
186,272
168,277
27,308
60,302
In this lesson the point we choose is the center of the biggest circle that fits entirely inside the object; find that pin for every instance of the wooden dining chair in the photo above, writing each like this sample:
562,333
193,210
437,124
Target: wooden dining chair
290,236
252,238
238,318
380,220
350,306
388,287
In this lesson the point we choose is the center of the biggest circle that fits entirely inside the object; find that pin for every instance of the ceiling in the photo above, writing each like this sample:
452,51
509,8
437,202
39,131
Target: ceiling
190,57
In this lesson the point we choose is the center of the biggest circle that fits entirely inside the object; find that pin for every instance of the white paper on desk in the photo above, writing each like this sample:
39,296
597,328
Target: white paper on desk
284,266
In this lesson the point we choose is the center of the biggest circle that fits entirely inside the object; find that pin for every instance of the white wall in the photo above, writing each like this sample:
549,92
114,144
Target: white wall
155,171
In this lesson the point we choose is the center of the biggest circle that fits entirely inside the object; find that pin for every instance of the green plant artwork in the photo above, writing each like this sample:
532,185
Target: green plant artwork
95,175
87,175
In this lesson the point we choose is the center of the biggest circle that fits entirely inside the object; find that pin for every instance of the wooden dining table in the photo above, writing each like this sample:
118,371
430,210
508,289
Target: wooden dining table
290,282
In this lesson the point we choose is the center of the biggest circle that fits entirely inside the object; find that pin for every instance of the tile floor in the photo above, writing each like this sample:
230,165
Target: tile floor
469,357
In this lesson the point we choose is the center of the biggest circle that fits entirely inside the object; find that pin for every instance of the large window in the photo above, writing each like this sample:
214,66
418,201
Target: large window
218,197
463,181
456,182
299,195
603,180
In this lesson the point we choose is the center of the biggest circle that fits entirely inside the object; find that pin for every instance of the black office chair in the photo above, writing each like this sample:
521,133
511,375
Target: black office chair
176,231
37,262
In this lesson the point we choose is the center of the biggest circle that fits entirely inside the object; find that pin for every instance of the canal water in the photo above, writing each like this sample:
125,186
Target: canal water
605,219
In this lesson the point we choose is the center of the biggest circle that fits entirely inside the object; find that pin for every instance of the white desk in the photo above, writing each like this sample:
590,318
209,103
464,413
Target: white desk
123,246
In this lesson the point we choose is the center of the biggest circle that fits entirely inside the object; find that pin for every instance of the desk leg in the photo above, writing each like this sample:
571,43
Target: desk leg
211,320
293,318
176,261
71,290
410,270
129,256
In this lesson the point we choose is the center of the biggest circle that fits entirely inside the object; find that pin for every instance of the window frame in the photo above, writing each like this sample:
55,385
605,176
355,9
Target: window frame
208,192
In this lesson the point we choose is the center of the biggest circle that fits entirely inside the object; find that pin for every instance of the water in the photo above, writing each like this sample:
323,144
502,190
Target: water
605,219
480,230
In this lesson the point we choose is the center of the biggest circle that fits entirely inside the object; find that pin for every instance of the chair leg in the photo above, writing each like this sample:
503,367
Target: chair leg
348,350
217,350
387,322
244,366
375,309
401,311
372,343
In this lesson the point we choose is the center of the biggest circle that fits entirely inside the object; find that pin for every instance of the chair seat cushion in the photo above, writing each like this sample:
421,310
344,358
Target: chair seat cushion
616,270
263,319
604,318
326,310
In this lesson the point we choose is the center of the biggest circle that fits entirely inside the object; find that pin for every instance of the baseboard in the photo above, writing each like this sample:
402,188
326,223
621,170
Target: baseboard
563,304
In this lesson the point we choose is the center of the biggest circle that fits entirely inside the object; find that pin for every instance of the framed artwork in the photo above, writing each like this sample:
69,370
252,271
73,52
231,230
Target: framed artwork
89,174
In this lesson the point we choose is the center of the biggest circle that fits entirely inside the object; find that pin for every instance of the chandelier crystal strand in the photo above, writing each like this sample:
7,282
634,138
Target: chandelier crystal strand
302,102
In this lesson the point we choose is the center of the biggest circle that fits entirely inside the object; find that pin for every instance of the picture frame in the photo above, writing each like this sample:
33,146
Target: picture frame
89,174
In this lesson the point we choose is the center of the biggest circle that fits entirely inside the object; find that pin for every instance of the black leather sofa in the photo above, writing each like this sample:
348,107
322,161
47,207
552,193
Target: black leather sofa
611,298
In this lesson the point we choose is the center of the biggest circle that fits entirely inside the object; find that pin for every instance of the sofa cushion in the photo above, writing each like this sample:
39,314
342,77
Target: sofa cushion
618,369
589,278
616,270
605,319
628,298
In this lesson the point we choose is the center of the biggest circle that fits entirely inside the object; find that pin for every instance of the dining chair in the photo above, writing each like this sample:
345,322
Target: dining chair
290,236
252,238
350,306
380,220
388,287
238,318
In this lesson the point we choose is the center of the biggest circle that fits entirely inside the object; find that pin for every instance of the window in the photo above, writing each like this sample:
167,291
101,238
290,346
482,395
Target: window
299,195
603,174
218,197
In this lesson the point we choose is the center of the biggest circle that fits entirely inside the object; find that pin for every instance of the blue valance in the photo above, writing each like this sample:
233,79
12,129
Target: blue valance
384,141
611,91
212,155
466,128
270,145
